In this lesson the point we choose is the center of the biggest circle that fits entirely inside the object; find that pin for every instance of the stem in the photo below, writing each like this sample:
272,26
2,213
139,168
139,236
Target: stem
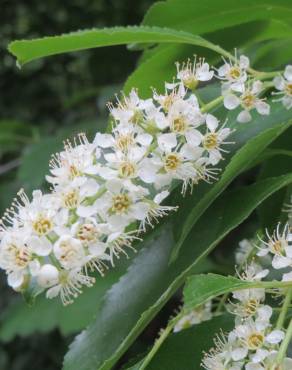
282,316
212,104
160,341
283,348
267,75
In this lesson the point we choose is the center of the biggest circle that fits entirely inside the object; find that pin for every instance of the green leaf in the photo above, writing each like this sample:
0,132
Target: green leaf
201,288
184,350
23,320
150,281
158,65
28,50
208,16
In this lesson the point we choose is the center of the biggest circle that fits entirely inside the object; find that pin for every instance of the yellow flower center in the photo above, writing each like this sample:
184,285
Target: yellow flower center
190,81
120,203
255,341
276,247
71,199
22,256
42,225
210,141
68,253
123,142
88,233
248,100
137,117
234,72
251,306
179,125
168,101
127,169
289,88
172,162
74,172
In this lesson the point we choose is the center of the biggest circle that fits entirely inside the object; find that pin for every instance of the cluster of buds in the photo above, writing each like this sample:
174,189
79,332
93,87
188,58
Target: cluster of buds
256,342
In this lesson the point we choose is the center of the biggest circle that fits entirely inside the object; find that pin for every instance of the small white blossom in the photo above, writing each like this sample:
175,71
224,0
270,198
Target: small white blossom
248,100
284,85
234,74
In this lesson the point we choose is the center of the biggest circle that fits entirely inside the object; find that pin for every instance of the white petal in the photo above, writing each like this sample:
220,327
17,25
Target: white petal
53,292
86,211
244,62
191,152
103,140
41,246
265,313
231,101
140,210
287,277
15,279
257,87
161,196
239,353
211,122
288,73
167,141
244,117
193,137
48,276
276,336
280,262
262,107
223,70
144,139
279,82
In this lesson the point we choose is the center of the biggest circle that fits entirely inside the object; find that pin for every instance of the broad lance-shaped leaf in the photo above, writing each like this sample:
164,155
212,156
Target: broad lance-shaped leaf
201,288
184,350
28,50
150,281
205,16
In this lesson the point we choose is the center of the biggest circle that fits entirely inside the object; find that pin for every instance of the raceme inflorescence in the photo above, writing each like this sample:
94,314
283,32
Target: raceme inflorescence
259,340
104,193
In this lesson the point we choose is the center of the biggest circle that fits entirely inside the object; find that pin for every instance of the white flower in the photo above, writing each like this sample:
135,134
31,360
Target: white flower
234,74
284,85
184,116
122,203
191,73
213,139
220,357
279,246
248,100
254,336
253,272
196,316
17,257
76,161
69,252
243,251
70,285
129,108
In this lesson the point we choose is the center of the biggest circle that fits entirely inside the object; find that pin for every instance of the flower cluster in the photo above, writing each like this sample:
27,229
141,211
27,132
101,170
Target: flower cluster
104,193
255,341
